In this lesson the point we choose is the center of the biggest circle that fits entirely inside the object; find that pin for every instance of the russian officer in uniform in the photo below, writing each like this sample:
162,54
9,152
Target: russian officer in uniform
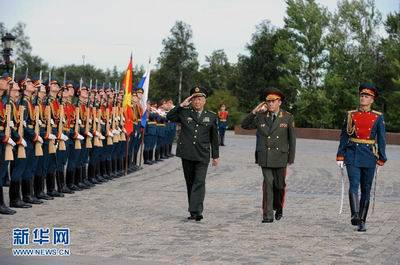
275,150
199,132
361,149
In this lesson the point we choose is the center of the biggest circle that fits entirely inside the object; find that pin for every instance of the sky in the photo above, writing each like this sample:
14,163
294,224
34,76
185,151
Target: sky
106,32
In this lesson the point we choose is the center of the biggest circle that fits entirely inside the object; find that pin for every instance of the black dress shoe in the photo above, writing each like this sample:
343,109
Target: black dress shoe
32,200
43,196
267,220
198,218
191,217
362,227
278,215
55,193
5,210
20,204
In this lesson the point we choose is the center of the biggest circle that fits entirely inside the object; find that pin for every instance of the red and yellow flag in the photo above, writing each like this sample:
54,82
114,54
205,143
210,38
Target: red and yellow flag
126,103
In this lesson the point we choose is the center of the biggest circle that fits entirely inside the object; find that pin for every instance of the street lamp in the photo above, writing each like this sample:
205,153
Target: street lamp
8,44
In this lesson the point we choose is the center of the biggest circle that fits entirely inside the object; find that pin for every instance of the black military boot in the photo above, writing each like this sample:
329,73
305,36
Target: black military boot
223,140
79,179
121,166
99,172
162,152
85,179
15,196
157,155
135,165
104,170
70,178
27,193
6,182
109,169
92,174
61,187
3,208
354,208
170,150
363,216
38,189
146,157
51,185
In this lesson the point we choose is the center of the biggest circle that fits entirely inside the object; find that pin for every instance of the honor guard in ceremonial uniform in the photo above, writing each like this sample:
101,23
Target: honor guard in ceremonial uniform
361,149
276,149
198,138
41,104
138,129
171,128
7,131
150,134
56,168
222,123
161,131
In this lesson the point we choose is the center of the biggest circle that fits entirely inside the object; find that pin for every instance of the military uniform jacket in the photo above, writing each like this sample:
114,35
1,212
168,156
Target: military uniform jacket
276,145
362,139
198,134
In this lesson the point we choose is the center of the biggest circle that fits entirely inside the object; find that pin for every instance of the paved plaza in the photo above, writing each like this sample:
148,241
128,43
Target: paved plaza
141,218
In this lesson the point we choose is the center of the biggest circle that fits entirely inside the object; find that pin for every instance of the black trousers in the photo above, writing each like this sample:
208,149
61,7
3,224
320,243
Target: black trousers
273,190
195,176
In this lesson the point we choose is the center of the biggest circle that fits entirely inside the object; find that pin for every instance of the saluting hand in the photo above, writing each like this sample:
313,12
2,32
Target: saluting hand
260,108
186,102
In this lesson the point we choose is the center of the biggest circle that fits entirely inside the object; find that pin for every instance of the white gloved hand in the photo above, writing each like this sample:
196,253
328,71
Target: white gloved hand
102,122
110,134
11,124
80,137
40,139
80,122
52,136
340,164
115,132
40,122
89,134
52,122
11,142
24,123
24,142
64,137
102,137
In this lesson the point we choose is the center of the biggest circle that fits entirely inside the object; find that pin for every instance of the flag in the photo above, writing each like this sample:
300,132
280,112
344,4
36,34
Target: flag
126,103
144,84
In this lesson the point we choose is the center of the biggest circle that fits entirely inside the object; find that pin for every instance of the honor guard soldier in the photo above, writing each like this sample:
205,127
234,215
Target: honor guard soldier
150,134
361,149
222,123
7,131
199,132
276,149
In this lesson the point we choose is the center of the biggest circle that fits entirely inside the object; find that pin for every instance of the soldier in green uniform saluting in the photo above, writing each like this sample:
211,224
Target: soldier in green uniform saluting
198,137
275,150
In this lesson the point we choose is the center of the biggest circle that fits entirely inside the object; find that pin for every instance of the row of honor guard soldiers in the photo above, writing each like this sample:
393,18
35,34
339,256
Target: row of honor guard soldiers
57,139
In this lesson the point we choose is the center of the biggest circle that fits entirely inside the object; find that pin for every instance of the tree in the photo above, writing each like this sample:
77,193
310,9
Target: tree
216,73
307,22
178,60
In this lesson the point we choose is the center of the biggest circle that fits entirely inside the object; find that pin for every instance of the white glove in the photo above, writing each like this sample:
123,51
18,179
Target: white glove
64,137
11,142
11,124
24,142
80,122
40,139
52,122
80,137
101,137
340,164
24,123
89,134
102,122
115,132
40,122
52,136
110,134
119,130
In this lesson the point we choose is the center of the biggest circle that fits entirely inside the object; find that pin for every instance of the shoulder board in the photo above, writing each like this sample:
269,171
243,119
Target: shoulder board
212,112
351,111
377,112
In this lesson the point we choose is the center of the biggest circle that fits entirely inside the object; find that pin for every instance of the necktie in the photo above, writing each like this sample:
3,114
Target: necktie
273,117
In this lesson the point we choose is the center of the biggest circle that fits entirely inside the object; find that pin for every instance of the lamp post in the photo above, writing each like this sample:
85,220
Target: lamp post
8,43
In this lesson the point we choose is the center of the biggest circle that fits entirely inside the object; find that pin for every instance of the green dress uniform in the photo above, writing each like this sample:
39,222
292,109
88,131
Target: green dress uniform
198,138
276,149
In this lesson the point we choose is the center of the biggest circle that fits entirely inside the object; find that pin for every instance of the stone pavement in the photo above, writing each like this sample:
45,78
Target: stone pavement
141,218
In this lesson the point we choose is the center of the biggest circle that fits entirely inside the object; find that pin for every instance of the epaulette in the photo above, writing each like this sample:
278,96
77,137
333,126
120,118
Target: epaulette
212,112
377,112
351,111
